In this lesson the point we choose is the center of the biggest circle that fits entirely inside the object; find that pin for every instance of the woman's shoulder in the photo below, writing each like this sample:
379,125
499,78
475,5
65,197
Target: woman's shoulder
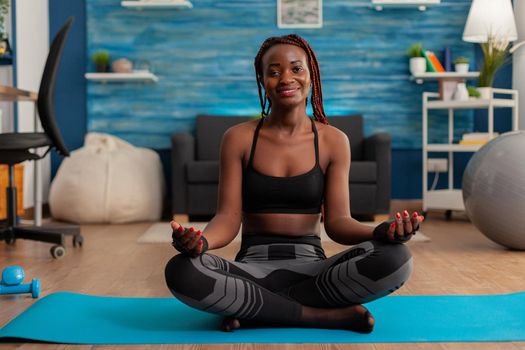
242,128
240,133
330,134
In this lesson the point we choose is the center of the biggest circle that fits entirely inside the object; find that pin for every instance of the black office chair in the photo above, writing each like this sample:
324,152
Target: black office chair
17,147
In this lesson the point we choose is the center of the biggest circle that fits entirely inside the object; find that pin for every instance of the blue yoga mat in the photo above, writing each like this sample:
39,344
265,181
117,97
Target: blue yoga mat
83,319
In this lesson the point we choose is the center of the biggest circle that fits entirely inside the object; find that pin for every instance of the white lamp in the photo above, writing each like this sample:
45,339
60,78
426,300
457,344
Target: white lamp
496,18
490,18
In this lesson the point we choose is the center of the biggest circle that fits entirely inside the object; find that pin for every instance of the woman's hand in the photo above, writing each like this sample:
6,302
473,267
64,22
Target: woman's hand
400,230
187,240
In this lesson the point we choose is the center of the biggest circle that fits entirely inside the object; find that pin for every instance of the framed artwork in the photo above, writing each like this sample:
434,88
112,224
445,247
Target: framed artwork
300,13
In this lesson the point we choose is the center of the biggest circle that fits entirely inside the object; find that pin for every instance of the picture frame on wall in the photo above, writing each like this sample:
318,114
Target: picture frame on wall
300,13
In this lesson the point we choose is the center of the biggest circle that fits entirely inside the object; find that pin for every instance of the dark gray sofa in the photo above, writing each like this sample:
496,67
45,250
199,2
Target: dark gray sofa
195,166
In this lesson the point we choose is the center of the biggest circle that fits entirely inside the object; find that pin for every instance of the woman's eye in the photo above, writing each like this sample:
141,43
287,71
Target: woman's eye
274,73
297,69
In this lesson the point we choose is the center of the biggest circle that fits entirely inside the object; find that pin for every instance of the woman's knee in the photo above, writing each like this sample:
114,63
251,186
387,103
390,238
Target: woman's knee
185,277
388,262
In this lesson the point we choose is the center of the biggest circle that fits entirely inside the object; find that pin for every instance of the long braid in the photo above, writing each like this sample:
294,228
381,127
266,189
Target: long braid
313,65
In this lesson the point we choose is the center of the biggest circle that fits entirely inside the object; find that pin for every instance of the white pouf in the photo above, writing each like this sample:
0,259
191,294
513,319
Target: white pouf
108,181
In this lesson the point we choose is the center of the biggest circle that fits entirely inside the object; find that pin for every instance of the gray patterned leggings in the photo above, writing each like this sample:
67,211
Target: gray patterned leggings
272,277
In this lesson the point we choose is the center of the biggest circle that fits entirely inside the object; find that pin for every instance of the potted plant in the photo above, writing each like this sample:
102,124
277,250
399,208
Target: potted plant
101,61
417,63
461,64
473,92
495,55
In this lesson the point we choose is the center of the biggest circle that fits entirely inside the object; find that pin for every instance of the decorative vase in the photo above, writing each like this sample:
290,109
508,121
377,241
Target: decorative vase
485,92
122,65
418,65
461,93
461,67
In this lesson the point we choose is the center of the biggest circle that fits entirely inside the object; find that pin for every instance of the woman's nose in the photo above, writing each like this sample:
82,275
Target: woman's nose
286,77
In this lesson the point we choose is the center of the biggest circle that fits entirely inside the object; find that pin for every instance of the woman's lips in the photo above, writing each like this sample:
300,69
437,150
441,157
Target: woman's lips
287,92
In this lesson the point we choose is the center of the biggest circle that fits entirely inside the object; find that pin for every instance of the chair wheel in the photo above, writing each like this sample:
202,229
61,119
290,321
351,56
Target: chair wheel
10,239
57,251
78,240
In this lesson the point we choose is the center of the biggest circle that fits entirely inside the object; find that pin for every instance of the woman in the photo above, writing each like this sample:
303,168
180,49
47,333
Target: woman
276,175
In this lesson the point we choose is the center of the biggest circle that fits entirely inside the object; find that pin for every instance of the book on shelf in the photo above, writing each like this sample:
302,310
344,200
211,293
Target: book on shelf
472,142
447,59
434,61
430,67
478,136
433,64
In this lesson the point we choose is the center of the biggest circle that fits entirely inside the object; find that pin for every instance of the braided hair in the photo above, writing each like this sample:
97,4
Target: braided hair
313,65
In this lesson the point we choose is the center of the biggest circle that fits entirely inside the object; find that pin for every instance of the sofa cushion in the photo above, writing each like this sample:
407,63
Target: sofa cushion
204,171
202,199
363,198
363,172
209,131
352,126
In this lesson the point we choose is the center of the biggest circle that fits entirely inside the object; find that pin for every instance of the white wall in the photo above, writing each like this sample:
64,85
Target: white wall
6,108
32,45
6,78
518,61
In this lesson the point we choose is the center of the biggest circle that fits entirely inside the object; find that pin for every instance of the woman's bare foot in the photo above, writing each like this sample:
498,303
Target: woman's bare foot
355,318
229,324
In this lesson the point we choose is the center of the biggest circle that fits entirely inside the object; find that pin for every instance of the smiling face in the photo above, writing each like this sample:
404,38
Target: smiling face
286,76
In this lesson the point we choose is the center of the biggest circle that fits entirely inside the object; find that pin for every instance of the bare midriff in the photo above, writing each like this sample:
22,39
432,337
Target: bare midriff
281,224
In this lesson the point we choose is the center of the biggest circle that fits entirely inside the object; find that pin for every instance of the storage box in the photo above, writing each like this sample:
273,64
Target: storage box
19,183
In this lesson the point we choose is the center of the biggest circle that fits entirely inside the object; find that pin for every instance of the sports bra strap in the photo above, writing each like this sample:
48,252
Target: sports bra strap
254,141
316,142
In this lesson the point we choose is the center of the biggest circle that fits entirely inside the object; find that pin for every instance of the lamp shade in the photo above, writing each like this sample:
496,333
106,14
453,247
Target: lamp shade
490,18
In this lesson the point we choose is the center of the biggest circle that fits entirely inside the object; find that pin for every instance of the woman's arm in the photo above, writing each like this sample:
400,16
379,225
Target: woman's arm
225,225
338,222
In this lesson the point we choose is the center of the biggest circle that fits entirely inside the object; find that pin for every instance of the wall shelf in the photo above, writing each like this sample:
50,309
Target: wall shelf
474,103
421,77
421,5
137,76
452,147
157,4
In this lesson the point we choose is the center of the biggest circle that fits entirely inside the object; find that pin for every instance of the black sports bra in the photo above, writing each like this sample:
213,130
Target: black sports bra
302,194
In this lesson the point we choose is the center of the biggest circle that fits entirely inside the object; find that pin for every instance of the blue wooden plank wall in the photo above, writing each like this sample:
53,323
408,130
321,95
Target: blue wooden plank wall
204,60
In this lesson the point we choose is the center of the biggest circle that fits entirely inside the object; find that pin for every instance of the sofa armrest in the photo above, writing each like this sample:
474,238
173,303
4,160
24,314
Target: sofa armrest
377,147
182,151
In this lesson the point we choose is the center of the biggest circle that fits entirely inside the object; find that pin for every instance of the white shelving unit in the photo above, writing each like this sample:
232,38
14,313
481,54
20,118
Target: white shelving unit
137,76
422,5
451,198
157,4
428,76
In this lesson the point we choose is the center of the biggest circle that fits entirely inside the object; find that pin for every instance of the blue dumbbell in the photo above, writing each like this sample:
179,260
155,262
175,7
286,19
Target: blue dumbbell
12,278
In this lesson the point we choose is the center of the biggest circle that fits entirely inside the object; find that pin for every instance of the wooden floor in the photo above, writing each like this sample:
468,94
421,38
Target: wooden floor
458,260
